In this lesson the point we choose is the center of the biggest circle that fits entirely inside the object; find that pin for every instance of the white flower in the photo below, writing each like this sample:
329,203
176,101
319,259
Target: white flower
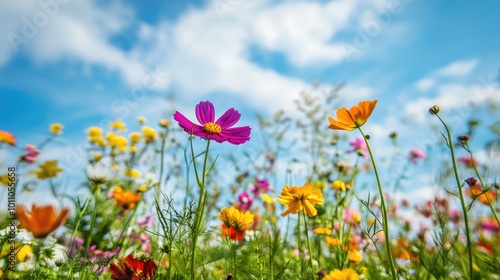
99,173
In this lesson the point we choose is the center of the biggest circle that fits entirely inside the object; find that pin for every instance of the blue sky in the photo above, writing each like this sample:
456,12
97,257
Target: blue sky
85,63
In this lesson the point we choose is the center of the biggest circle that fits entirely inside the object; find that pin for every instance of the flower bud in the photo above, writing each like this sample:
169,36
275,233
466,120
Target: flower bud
434,110
464,138
471,181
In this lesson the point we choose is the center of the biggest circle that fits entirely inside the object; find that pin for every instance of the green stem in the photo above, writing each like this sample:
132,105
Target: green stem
308,242
201,204
462,199
97,195
385,223
162,157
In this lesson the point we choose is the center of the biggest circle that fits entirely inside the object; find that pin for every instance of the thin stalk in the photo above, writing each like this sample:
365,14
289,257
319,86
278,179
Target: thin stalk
162,157
462,199
385,223
97,195
201,204
308,242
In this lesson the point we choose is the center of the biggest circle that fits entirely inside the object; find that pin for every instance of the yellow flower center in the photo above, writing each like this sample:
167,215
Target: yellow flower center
212,128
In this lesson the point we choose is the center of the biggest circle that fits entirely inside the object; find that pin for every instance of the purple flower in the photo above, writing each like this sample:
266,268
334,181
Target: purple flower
359,146
260,186
245,201
220,130
471,181
416,154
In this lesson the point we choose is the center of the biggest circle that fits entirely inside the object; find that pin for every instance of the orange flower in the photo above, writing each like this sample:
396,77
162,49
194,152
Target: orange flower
42,220
476,191
297,199
354,117
7,137
126,199
344,274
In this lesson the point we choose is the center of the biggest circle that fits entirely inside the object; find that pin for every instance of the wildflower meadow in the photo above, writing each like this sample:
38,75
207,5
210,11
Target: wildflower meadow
181,198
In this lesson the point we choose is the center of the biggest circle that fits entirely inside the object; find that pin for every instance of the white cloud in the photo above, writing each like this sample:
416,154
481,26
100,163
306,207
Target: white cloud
458,69
425,84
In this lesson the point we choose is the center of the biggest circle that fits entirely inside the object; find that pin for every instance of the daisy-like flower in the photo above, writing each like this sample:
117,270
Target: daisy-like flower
41,220
100,173
245,201
235,222
7,137
56,128
344,274
260,186
133,269
354,117
126,199
301,198
220,130
48,169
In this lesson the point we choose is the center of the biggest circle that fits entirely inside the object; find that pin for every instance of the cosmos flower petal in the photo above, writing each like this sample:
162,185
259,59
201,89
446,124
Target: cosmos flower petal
205,112
339,126
353,118
236,135
229,118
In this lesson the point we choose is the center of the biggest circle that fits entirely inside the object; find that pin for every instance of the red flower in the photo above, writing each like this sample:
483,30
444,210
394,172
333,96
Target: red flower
133,269
232,233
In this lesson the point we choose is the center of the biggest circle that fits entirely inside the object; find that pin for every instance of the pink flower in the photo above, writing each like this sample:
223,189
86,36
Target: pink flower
467,161
220,130
416,154
490,224
245,201
148,221
359,146
260,186
31,155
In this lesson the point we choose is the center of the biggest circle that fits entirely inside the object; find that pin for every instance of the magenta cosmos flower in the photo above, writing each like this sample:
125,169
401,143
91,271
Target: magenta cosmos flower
220,130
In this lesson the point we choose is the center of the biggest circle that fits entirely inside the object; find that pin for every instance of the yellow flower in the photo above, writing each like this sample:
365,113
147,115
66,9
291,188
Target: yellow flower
354,256
332,241
97,157
119,125
149,134
4,179
135,137
232,217
126,199
48,169
164,123
56,128
132,173
267,199
320,184
324,231
354,117
141,119
338,185
344,274
142,188
24,253
133,149
95,136
301,198
116,141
